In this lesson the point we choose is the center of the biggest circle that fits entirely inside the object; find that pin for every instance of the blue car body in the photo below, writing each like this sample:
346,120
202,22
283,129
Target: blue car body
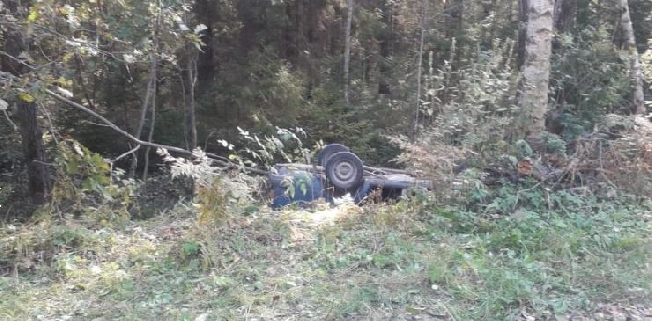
298,187
301,184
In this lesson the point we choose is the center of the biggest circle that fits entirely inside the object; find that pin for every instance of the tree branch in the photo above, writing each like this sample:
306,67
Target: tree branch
220,160
114,126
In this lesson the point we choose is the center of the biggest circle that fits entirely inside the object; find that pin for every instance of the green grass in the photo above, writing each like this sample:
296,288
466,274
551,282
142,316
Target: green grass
382,262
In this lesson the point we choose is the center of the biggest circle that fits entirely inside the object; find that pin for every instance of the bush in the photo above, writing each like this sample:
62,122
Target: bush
85,186
583,93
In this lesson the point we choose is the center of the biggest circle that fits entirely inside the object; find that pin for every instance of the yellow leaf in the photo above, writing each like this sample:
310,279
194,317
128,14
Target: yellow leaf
67,56
25,97
33,14
233,157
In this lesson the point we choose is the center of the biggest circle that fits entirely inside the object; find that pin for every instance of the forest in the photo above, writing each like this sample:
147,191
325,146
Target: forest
137,138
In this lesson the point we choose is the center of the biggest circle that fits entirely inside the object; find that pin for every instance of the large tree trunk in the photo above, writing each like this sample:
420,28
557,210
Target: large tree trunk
635,67
39,183
533,98
347,51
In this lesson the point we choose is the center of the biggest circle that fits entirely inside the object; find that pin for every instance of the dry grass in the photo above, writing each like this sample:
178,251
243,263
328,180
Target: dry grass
624,163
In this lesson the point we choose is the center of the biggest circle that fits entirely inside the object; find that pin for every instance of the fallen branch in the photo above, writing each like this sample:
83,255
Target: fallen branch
220,160
114,126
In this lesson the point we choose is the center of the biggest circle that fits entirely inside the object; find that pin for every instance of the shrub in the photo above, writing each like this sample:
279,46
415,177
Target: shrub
85,186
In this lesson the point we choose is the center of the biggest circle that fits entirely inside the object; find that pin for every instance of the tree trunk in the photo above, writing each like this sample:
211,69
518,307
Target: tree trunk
206,13
150,136
522,26
143,111
154,84
39,181
456,29
32,139
533,96
415,127
565,11
347,51
635,66
192,121
430,87
385,49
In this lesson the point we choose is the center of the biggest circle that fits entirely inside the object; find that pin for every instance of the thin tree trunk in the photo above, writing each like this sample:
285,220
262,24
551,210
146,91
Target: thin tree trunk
635,66
428,79
188,86
533,98
39,180
432,91
192,67
152,125
522,34
494,23
185,108
347,51
415,126
144,108
385,50
154,84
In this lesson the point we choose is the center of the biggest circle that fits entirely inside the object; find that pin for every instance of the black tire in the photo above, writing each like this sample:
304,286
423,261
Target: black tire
344,171
328,151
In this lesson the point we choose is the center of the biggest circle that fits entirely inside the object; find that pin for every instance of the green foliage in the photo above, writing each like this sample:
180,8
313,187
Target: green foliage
562,262
478,112
191,248
522,241
479,253
24,250
85,186
285,145
364,131
190,254
584,93
258,93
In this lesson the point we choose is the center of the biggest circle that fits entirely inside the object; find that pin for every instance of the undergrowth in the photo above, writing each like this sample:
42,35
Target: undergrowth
561,257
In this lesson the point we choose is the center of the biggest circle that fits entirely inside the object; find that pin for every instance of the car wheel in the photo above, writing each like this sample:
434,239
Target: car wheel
328,151
344,170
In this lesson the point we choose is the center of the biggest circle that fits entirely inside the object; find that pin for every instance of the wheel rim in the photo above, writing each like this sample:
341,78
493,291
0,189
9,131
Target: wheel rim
345,172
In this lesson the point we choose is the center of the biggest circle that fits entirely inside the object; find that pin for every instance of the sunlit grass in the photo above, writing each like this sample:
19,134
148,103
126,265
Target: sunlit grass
382,262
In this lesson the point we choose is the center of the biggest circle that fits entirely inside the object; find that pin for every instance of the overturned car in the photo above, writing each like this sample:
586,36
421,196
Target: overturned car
338,172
